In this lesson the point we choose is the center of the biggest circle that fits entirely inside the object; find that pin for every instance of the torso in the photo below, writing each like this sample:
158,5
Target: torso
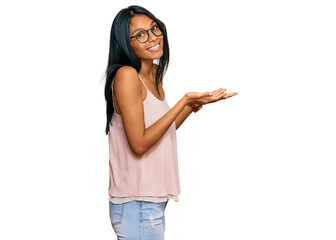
152,89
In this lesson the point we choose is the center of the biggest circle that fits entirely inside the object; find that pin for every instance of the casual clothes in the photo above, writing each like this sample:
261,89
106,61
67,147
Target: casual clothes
138,220
154,176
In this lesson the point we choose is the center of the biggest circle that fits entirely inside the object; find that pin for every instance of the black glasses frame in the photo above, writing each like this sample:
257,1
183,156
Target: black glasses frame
136,35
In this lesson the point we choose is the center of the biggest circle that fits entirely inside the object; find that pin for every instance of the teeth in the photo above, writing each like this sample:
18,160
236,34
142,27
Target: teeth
155,46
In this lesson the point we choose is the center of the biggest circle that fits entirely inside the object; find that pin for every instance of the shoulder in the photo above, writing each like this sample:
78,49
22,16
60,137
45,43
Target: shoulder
126,77
126,72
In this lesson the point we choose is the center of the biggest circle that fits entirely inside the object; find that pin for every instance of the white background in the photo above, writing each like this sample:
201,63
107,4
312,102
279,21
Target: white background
260,165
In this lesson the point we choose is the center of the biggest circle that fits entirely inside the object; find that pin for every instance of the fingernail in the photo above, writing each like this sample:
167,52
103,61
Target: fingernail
210,94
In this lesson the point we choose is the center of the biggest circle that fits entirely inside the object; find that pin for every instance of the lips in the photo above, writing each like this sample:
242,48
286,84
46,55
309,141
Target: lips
154,47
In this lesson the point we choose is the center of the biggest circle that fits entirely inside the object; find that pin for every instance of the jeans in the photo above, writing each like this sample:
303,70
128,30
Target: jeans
138,220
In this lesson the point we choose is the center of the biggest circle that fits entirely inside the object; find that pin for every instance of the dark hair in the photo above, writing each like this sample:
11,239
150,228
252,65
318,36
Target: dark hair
121,53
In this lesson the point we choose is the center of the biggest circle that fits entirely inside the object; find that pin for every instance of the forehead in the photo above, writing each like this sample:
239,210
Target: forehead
140,21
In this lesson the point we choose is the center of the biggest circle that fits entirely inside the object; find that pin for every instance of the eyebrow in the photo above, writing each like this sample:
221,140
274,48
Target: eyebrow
142,28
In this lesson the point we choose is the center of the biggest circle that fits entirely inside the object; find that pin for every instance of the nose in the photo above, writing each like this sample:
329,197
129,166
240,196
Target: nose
151,36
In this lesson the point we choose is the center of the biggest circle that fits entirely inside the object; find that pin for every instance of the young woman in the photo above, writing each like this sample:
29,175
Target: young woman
141,126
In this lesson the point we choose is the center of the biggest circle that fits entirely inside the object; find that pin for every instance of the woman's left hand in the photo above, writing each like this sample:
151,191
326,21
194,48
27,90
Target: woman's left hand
195,107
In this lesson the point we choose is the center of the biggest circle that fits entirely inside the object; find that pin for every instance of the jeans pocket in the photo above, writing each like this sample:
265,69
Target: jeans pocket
116,213
153,214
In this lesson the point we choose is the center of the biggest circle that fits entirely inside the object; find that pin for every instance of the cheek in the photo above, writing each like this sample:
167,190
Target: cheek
138,50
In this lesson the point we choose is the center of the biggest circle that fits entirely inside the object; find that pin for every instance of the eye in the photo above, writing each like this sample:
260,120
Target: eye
140,35
156,30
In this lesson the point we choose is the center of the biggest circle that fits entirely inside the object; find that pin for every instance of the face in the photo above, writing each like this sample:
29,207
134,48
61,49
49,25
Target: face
153,48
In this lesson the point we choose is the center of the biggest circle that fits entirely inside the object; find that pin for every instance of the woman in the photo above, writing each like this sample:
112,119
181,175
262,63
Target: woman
141,126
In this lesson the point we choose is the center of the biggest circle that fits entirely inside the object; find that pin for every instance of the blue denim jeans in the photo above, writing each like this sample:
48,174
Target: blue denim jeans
138,220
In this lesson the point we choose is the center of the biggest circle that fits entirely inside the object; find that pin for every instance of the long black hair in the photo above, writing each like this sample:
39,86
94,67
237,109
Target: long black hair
121,53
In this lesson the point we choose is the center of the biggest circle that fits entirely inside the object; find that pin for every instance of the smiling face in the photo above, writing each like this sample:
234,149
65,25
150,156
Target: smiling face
153,48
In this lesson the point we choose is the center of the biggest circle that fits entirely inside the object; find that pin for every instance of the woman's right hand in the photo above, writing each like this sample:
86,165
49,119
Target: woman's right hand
202,98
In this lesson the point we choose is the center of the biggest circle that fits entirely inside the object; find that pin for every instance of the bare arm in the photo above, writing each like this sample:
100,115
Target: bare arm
127,90
183,116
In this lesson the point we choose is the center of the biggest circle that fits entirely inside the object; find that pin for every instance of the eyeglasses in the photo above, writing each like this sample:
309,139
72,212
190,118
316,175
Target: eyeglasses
143,35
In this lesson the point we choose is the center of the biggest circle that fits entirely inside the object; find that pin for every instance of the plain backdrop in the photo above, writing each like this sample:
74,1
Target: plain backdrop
259,166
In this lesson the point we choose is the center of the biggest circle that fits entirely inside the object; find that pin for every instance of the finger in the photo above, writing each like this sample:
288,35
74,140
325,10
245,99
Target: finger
231,94
219,91
213,93
219,96
203,94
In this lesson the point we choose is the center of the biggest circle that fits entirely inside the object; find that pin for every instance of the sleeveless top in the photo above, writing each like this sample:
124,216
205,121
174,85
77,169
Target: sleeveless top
153,176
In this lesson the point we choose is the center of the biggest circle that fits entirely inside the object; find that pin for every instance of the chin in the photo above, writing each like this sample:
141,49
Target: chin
153,56
158,55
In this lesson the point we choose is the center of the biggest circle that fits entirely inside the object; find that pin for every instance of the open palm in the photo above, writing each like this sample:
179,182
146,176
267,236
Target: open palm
200,98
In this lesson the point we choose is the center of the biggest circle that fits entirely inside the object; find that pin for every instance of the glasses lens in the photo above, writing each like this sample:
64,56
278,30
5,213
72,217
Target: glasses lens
156,30
142,36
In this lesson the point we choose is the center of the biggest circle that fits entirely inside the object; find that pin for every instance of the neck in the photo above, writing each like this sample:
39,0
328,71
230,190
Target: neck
147,70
